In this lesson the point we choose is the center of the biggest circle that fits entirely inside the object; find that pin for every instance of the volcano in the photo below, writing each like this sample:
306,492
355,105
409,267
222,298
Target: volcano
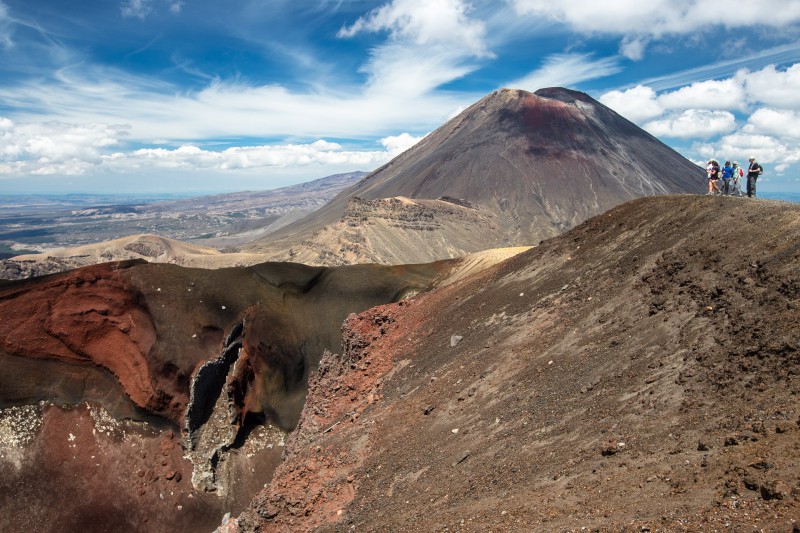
511,170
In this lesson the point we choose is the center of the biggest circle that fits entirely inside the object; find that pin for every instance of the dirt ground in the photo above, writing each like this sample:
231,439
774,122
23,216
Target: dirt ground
640,372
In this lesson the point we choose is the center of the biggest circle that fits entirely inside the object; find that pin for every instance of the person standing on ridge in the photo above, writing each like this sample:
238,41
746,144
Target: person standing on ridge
727,174
753,172
712,169
737,176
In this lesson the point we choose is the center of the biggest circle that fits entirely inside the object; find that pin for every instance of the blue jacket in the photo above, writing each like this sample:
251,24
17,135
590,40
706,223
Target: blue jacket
727,172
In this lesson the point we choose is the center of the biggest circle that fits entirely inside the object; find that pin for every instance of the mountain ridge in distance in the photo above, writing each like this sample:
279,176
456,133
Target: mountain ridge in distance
188,231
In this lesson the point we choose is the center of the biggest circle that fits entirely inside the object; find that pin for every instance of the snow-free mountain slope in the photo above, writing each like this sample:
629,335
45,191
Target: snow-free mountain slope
532,165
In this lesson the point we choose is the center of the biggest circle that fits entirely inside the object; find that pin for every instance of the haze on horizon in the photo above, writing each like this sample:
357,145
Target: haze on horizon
173,96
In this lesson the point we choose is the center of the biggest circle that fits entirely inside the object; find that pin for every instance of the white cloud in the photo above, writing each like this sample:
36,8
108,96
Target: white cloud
611,16
779,122
633,48
141,9
745,90
640,22
397,144
190,157
765,148
224,109
660,17
779,88
428,23
693,123
55,148
711,94
636,104
565,70
136,8
430,43
703,110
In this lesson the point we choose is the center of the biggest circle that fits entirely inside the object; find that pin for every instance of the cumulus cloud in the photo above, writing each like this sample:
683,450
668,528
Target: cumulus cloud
397,144
55,148
766,148
691,123
240,157
779,122
636,104
567,70
711,94
320,152
773,87
703,109
741,92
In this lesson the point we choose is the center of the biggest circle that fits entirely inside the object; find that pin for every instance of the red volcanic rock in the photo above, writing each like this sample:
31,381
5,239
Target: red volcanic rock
223,355
89,316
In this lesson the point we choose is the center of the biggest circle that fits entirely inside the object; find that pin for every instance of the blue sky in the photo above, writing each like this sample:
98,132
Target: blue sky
201,96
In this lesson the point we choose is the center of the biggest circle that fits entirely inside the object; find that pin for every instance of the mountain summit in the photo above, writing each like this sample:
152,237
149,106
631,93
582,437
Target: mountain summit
530,165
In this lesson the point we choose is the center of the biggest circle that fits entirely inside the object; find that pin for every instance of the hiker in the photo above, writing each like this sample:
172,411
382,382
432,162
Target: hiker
727,175
737,176
753,172
712,169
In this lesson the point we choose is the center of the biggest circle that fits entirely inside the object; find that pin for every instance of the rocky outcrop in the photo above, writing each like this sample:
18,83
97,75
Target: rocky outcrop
315,485
390,230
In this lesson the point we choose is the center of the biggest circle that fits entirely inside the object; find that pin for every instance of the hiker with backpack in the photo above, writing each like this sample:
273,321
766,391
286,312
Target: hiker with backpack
712,169
727,175
753,172
737,176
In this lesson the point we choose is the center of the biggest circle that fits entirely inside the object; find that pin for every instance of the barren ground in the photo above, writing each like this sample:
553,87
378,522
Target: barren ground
640,372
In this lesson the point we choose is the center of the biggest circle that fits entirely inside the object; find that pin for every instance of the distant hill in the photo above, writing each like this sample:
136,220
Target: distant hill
151,248
72,231
530,166
50,221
